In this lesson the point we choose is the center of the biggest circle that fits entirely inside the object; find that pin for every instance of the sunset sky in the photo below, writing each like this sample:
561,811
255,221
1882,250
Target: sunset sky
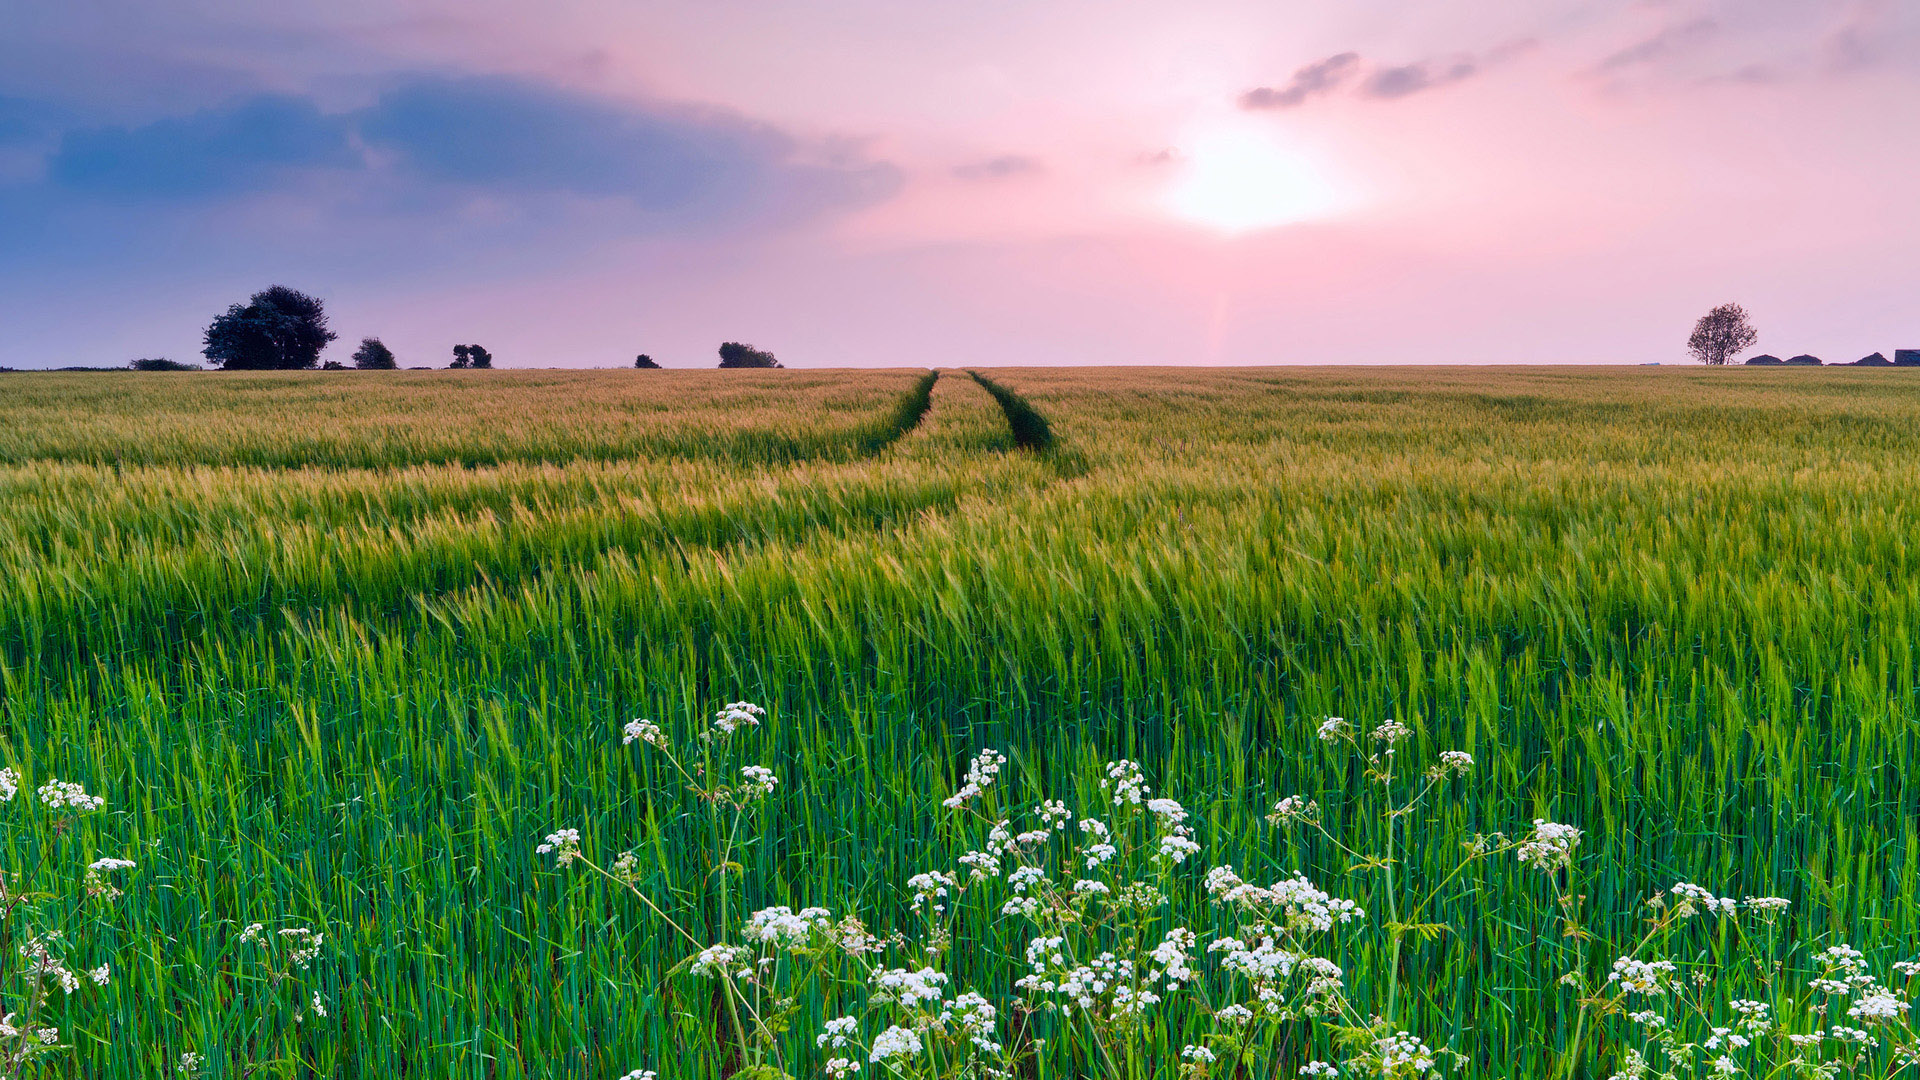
890,182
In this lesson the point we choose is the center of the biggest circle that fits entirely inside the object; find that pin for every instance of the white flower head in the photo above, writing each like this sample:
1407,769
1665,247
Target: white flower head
758,781
1126,782
981,772
67,795
562,844
644,730
735,716
1550,847
1333,727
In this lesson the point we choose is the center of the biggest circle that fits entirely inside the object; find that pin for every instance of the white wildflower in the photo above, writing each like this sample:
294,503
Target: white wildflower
838,1033
1878,1005
760,781
563,845
1551,846
1126,782
737,715
893,1042
9,784
1333,728
981,772
67,795
644,730
723,961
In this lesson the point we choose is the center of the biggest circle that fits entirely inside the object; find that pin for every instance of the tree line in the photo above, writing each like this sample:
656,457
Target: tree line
283,329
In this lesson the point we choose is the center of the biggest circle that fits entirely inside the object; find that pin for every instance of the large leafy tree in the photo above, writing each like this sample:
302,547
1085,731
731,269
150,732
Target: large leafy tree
279,328
1721,335
735,355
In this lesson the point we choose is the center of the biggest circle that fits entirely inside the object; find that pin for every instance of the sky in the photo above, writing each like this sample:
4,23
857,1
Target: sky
887,183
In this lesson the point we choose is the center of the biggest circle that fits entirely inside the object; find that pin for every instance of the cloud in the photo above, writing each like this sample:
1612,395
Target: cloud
1673,40
1380,82
430,145
999,168
253,145
1310,81
1404,80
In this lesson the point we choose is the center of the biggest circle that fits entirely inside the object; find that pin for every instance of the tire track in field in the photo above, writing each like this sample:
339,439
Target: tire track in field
906,415
1030,429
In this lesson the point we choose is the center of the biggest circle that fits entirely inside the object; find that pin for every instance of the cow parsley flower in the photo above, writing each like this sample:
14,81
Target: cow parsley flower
1127,783
563,845
931,888
1392,731
839,1067
1878,1005
783,928
736,715
1197,1053
723,961
1333,727
9,784
1318,1068
838,1033
893,1042
1457,762
1551,846
67,795
1294,808
1644,976
646,731
759,781
1693,898
640,1074
907,988
981,772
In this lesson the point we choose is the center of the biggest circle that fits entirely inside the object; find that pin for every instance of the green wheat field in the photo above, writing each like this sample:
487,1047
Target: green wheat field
340,649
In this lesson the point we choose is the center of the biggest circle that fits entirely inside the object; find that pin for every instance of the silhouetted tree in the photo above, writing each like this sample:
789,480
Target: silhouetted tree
471,356
161,363
645,362
735,355
333,365
373,355
1721,335
279,328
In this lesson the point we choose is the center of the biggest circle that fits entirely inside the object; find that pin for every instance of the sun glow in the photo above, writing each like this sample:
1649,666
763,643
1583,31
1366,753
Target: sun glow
1236,178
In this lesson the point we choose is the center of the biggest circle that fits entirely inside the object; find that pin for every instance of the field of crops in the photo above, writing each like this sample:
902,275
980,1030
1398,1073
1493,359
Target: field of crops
340,649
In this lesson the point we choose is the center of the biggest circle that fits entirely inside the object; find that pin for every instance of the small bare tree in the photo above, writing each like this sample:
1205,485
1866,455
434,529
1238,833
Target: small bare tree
1721,335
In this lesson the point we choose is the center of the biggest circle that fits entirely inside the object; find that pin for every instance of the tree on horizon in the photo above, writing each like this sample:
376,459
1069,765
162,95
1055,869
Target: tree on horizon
1722,334
645,363
373,355
277,329
733,354
471,356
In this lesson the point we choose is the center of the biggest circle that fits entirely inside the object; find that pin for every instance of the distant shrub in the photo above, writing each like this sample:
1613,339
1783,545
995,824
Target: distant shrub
646,363
161,363
333,365
733,354
373,355
471,356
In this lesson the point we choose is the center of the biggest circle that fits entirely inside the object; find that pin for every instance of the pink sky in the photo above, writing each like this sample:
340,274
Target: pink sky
1074,182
